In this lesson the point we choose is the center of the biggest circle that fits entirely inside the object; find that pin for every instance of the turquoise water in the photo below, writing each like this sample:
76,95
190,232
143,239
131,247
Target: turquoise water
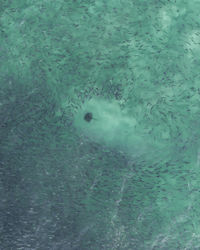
116,128
99,125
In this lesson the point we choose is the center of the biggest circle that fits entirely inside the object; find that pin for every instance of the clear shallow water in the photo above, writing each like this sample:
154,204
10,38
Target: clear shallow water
116,128
129,178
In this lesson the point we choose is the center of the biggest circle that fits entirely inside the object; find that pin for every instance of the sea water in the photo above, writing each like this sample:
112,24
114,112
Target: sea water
116,128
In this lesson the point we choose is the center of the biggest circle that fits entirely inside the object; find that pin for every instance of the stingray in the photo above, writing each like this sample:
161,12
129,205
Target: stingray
104,122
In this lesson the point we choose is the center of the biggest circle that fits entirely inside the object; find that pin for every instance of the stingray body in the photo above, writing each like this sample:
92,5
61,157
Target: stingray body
104,122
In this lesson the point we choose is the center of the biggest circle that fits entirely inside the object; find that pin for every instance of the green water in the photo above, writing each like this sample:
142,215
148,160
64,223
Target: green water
127,176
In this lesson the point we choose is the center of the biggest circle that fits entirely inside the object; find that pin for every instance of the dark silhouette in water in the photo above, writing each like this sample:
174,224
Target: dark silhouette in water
88,117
